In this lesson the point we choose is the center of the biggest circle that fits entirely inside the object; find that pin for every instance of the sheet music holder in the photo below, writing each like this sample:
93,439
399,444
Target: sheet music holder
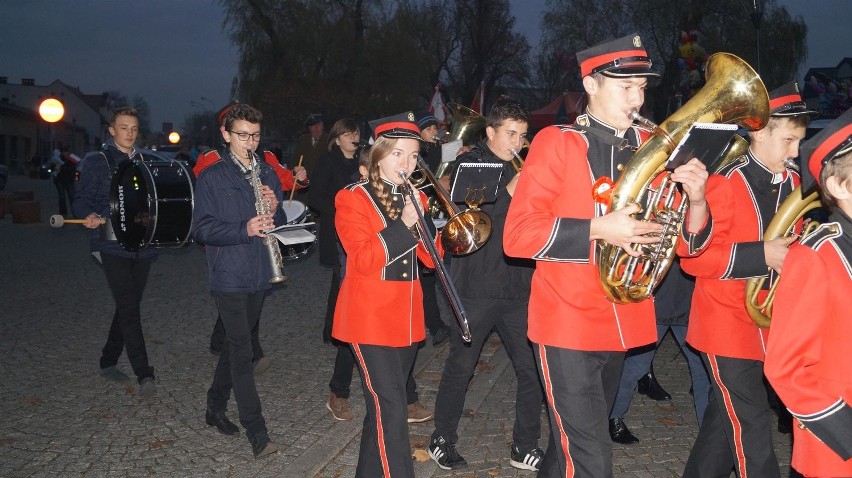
705,141
450,150
476,183
292,233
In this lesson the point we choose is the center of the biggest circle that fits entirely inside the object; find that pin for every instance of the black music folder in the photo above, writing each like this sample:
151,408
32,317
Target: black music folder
705,141
477,182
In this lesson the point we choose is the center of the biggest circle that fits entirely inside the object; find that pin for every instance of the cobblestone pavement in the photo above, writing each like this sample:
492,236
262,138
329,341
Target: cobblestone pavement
59,418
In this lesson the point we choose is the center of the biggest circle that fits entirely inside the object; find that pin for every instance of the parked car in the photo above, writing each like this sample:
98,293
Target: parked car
4,176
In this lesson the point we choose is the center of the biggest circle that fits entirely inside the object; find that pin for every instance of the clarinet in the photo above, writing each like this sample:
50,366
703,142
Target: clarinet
261,205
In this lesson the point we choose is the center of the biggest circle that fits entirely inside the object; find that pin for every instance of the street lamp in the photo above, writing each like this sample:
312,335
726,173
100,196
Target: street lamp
756,19
51,110
174,137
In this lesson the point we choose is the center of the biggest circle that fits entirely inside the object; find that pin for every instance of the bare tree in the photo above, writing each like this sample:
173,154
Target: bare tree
489,50
721,25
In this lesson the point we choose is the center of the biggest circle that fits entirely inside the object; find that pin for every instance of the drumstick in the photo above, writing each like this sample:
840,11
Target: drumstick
58,221
293,191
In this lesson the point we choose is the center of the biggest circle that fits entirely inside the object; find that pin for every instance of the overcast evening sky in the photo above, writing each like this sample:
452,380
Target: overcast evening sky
174,52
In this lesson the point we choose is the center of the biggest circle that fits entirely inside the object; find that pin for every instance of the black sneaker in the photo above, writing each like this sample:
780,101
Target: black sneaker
445,455
530,460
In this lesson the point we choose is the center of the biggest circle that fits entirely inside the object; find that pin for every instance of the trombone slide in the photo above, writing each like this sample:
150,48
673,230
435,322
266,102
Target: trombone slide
440,267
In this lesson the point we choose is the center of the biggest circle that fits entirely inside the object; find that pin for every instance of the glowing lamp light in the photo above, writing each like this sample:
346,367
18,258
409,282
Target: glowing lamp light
174,137
51,110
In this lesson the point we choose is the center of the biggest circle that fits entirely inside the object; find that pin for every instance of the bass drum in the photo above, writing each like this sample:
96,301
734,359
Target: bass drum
298,213
151,204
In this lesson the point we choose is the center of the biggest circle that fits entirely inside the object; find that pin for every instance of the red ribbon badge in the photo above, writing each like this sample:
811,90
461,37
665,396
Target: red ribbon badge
602,190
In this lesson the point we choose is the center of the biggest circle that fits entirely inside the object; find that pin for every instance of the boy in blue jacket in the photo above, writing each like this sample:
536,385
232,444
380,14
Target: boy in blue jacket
226,221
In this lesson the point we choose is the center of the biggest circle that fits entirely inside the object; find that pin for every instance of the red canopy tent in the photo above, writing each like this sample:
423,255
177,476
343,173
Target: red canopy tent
563,109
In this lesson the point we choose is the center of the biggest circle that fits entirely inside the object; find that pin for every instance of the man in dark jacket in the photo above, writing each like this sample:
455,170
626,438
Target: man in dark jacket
494,290
126,272
227,221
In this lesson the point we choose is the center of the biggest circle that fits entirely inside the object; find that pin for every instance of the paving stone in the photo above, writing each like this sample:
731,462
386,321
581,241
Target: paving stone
61,419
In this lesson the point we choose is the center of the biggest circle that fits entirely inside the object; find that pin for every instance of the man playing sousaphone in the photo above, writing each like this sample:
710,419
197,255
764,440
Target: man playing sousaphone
743,197
579,337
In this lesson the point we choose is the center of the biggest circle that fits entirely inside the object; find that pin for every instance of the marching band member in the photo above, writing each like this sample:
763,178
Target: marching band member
296,178
743,198
126,272
807,359
494,290
227,222
579,337
380,305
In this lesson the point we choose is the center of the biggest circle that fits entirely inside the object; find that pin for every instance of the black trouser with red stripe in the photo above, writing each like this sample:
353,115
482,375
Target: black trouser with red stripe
580,388
385,449
736,433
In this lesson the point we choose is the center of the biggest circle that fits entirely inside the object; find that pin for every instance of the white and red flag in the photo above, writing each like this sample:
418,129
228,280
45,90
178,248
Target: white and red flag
436,105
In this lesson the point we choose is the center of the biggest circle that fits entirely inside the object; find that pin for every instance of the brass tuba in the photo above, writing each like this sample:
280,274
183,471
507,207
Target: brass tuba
466,127
781,225
733,93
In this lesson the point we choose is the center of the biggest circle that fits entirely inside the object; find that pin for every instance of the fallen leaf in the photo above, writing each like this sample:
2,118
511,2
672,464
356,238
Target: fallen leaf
32,400
421,455
668,421
483,366
6,441
108,415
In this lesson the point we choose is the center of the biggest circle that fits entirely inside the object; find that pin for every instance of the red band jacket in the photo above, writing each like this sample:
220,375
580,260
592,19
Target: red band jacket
807,360
743,197
549,221
380,300
285,176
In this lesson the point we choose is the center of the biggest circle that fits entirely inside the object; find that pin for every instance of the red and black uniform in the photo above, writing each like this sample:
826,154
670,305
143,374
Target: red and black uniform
735,433
807,361
380,313
579,337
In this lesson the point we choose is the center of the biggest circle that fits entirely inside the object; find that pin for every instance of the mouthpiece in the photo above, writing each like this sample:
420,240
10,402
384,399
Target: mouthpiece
635,116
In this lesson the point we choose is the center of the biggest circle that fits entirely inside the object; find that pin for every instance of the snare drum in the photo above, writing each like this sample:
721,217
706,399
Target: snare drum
298,213
151,204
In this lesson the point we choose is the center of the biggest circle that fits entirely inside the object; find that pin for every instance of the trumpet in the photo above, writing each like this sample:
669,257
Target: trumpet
517,160
440,267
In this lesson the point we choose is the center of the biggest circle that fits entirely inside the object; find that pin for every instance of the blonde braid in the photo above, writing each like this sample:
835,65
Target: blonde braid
380,149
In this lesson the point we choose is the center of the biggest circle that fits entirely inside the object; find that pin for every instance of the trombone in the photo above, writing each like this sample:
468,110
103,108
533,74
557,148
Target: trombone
465,231
440,267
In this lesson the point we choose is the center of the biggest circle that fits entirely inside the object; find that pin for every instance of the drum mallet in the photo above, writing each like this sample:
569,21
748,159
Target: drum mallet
58,221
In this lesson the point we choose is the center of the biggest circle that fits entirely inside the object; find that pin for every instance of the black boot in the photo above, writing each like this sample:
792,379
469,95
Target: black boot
619,433
649,386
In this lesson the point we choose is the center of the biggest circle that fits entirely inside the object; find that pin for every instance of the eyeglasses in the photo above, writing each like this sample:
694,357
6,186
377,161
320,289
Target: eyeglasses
245,136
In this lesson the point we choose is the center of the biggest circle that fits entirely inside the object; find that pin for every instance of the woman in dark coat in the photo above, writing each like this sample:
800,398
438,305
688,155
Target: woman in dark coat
334,171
